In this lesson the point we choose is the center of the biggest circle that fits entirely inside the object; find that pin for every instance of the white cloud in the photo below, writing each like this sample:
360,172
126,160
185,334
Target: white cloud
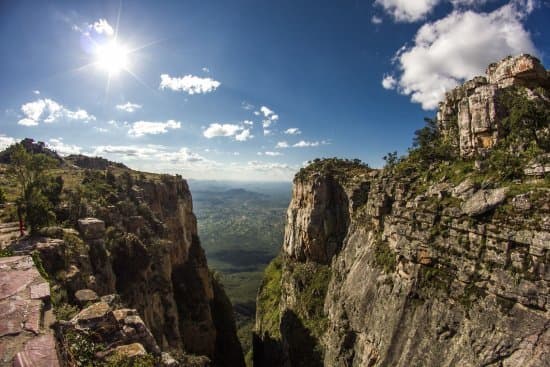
6,141
141,128
182,155
190,84
389,82
238,131
128,107
27,122
216,129
458,3
269,116
248,122
268,166
205,69
458,47
244,135
273,154
266,111
101,129
306,144
130,151
49,111
61,148
36,91
407,10
282,144
102,27
376,20
267,132
292,131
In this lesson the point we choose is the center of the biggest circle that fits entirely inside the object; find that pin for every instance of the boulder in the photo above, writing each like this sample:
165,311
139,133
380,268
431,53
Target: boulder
168,361
91,228
130,350
483,201
83,296
96,316
464,190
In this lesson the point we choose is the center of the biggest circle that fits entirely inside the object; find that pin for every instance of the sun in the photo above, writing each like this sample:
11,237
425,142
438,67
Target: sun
112,57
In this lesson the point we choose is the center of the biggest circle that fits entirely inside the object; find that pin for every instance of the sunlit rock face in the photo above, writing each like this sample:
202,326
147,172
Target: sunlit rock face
471,113
399,267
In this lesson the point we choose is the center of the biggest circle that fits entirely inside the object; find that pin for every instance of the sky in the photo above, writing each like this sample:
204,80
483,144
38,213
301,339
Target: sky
245,89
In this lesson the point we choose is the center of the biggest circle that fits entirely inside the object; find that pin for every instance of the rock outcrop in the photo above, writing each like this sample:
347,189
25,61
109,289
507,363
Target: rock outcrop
448,265
143,246
472,112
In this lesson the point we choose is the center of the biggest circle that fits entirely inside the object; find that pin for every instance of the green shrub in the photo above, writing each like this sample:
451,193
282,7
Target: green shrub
269,297
384,257
118,360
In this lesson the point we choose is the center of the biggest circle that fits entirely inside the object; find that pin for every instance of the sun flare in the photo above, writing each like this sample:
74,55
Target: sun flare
112,57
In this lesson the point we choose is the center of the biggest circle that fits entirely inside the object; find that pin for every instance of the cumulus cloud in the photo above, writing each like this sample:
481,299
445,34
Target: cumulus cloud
389,82
49,111
61,148
281,145
239,132
189,83
407,10
244,135
128,107
6,141
414,10
306,144
269,116
458,47
273,154
36,91
248,122
215,129
141,128
293,131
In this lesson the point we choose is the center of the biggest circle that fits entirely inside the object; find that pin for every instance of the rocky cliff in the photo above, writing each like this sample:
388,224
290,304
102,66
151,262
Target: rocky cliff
128,260
439,259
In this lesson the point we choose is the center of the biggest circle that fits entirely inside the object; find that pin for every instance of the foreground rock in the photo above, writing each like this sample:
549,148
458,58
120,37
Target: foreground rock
25,315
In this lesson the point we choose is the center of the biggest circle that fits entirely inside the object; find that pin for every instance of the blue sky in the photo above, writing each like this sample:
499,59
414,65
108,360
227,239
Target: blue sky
243,89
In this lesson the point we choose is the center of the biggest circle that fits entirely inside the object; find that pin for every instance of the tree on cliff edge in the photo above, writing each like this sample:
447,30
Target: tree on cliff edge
37,189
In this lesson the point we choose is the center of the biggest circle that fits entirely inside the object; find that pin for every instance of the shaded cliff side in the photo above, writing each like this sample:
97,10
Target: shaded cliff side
439,259
132,237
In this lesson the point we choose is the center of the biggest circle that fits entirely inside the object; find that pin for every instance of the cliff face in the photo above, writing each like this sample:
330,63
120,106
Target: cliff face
137,238
475,110
447,265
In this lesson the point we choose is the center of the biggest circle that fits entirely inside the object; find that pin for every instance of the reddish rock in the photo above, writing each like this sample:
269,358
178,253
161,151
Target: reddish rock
40,291
38,352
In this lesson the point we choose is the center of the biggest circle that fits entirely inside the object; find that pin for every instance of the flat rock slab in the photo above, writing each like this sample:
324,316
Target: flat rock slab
38,352
24,341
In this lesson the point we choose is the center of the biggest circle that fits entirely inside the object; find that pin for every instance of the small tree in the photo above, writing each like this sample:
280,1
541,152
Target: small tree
29,171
